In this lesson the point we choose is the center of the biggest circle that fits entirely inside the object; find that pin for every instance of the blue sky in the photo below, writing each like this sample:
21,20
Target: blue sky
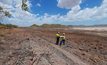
66,12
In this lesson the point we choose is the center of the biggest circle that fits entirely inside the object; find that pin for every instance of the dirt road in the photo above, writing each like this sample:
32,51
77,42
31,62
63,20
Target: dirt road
30,46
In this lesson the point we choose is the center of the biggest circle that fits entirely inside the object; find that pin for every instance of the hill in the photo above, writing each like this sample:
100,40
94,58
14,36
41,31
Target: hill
49,26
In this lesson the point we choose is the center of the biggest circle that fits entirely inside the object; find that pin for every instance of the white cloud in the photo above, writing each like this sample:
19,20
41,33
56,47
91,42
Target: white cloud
25,18
96,13
18,16
38,5
68,3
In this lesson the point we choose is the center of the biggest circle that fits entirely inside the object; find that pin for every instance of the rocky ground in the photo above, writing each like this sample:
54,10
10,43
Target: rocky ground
29,46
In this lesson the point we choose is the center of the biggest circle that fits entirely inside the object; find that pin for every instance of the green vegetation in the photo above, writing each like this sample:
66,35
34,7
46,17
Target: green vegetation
34,25
49,26
7,26
24,5
3,13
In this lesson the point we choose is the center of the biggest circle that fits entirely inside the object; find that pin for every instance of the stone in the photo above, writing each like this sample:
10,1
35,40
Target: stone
17,48
29,58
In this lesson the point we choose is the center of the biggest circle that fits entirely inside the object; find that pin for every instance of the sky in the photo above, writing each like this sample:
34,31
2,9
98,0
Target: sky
65,12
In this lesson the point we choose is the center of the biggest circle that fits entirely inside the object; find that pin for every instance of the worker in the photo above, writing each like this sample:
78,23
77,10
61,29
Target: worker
63,39
57,38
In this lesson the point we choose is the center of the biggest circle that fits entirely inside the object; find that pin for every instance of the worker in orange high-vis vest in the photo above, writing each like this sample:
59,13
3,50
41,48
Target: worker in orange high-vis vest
57,38
63,39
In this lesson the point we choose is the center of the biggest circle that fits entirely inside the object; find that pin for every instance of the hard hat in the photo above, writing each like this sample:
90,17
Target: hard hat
58,32
63,33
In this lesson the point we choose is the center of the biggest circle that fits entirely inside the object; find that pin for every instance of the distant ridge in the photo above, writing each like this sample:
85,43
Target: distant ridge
49,26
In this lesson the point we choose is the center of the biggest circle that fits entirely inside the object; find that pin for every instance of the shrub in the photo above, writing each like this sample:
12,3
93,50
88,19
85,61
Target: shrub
7,26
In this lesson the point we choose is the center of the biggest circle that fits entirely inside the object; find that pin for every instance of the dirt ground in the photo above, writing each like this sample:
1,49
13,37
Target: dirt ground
33,46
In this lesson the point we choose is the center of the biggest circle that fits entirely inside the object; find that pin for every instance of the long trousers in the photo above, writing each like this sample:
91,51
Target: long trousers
63,42
57,41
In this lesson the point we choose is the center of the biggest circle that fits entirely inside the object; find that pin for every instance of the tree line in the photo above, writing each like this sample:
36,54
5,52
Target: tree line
7,26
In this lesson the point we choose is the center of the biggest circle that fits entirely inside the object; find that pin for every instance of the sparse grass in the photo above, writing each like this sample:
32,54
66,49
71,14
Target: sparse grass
2,48
1,32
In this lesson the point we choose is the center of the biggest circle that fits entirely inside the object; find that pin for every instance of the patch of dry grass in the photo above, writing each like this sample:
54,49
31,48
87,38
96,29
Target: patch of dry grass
2,48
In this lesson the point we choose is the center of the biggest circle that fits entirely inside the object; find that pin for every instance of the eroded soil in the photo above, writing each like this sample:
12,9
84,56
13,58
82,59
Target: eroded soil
29,46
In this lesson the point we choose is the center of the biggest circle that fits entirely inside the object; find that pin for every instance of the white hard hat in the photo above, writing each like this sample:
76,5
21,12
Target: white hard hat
58,32
63,33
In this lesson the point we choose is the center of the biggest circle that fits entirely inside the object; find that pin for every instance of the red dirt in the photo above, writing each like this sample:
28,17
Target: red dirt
29,46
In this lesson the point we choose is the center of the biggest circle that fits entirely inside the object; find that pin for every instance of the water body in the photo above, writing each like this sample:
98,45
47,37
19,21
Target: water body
88,27
91,28
79,27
